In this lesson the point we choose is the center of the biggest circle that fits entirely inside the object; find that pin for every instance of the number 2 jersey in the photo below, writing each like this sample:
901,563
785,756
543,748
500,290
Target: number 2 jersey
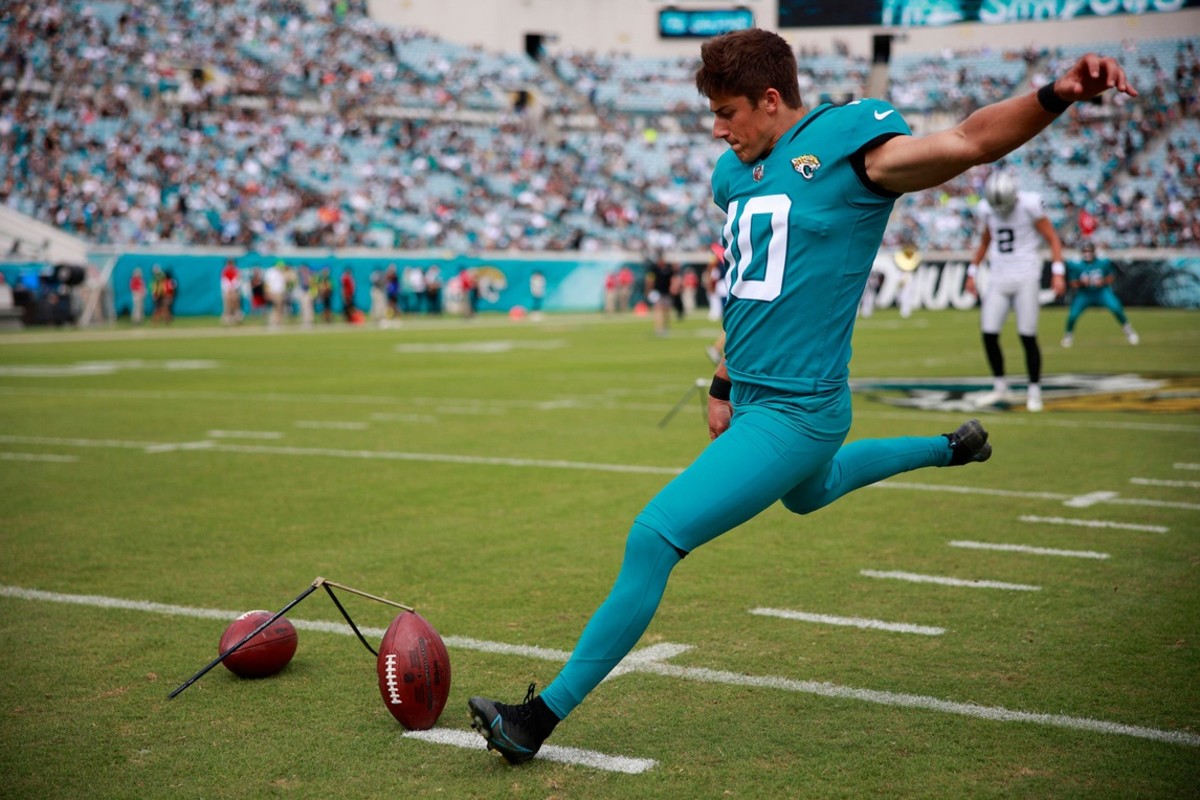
1013,253
803,225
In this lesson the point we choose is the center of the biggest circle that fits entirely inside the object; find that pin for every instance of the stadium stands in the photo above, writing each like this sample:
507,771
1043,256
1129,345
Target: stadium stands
263,123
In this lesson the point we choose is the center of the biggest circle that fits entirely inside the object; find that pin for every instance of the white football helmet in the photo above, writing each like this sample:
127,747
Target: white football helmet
1001,192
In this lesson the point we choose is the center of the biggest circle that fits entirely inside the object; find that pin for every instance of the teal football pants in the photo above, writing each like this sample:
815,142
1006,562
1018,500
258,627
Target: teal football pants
763,457
1085,299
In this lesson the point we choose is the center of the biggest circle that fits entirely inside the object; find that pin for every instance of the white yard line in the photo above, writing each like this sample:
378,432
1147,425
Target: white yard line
38,457
244,435
330,425
1185,465
853,622
1094,523
967,583
1159,482
1023,548
564,755
638,662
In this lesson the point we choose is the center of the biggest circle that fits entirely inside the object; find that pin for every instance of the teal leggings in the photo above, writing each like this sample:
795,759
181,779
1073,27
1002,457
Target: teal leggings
1086,298
763,457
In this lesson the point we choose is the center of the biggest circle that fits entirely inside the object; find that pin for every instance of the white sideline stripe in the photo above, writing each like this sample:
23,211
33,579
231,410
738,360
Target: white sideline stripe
931,487
244,435
1158,482
853,622
1094,523
37,457
912,577
1024,548
1078,501
1184,465
464,402
387,455
564,755
446,458
996,713
333,425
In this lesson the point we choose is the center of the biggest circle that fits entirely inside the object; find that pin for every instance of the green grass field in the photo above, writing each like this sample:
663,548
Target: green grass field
487,473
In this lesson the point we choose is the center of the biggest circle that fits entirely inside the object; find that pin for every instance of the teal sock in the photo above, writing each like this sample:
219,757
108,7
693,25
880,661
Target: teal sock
619,621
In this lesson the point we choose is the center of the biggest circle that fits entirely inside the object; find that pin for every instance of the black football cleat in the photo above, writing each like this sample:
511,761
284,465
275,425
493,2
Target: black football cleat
968,443
514,731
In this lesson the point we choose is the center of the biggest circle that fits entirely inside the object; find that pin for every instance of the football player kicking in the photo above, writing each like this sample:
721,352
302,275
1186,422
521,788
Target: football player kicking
1092,279
807,193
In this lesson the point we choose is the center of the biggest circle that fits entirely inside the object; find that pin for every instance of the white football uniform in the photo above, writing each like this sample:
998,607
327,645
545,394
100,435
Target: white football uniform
1015,263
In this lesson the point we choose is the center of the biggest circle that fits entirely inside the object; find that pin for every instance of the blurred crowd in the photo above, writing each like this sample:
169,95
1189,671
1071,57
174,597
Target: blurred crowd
271,123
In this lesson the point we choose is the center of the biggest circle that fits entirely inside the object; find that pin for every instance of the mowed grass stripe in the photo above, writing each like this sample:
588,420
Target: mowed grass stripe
658,667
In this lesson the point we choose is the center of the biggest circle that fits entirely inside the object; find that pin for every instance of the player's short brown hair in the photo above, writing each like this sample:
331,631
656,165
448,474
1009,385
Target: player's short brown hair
747,63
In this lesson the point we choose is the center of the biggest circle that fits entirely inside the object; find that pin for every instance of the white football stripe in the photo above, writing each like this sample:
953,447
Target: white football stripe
1094,523
1158,482
912,577
37,457
1023,548
855,622
244,435
658,667
549,752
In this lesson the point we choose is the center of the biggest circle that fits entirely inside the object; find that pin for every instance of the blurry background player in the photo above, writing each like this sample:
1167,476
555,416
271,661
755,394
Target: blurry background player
1092,280
1011,225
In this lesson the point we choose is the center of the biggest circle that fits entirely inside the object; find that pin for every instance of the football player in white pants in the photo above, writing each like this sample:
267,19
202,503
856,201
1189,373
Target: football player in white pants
1012,226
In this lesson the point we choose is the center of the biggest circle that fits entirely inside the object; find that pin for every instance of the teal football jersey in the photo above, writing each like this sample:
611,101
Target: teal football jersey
802,229
1092,273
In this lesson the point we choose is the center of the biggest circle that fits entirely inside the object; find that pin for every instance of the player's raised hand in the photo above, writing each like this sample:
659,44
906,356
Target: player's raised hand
1090,76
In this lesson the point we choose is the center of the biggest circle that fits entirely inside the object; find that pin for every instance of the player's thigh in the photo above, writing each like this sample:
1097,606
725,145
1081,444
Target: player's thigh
1108,299
741,473
993,307
1027,306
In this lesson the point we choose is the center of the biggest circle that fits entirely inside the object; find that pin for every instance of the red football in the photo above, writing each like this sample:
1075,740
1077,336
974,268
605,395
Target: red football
265,654
414,671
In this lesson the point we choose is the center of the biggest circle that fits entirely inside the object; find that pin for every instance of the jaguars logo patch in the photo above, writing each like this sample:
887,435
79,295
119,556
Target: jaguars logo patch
806,165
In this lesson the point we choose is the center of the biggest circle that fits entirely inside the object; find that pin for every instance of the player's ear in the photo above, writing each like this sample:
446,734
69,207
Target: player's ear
771,100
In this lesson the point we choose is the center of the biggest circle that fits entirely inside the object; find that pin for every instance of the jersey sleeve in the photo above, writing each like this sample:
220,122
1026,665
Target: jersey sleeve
862,126
720,184
1033,205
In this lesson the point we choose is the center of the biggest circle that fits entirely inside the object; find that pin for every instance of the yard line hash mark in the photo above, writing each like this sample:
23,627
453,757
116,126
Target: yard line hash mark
1094,523
1023,548
853,622
658,667
967,583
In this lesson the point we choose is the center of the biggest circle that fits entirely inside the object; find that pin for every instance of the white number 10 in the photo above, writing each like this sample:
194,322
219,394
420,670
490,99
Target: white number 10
777,207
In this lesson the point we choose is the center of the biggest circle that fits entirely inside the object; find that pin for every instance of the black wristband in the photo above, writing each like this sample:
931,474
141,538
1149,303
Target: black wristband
1051,101
719,390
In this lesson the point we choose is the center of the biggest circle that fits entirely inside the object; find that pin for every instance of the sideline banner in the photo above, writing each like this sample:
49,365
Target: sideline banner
1171,282
929,13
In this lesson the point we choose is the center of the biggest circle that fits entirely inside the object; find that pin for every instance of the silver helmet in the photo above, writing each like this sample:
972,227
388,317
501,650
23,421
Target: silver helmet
1001,192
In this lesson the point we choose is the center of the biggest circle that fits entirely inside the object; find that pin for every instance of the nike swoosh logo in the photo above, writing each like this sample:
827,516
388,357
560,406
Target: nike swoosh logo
885,114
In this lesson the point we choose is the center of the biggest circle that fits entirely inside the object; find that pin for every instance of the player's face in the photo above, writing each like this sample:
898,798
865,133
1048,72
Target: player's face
746,127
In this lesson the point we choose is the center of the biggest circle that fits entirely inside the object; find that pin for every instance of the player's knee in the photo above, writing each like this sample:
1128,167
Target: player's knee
646,541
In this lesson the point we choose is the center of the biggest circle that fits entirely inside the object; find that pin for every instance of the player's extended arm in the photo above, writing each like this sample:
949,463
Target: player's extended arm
910,163
1058,270
977,259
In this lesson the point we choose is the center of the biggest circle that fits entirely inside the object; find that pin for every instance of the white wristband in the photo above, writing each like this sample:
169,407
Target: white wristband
1058,268
971,270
